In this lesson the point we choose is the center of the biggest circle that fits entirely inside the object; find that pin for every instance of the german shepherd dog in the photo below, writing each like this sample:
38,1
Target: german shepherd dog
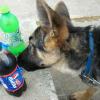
58,43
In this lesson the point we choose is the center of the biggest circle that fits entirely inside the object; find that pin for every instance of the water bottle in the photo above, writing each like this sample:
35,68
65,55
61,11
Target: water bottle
11,34
11,76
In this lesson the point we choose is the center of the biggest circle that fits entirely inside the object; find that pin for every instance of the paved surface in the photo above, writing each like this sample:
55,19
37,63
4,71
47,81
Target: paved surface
39,87
40,83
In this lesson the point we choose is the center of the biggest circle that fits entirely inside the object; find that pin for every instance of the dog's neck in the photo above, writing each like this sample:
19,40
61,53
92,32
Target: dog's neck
70,60
63,66
78,50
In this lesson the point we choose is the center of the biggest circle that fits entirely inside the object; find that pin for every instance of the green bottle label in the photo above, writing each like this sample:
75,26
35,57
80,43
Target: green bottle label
13,39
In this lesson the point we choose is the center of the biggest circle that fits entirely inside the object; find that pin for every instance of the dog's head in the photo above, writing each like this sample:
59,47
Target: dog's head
47,40
50,36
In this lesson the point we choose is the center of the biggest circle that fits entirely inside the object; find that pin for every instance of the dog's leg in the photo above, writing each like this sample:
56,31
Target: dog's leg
83,95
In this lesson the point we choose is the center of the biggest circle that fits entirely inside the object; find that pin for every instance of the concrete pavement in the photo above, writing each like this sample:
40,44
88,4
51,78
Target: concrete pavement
39,87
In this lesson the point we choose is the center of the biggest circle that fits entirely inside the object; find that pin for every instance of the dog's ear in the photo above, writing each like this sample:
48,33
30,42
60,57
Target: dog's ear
44,13
55,22
48,16
62,10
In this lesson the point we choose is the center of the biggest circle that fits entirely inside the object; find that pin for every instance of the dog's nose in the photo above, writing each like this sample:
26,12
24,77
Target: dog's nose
30,37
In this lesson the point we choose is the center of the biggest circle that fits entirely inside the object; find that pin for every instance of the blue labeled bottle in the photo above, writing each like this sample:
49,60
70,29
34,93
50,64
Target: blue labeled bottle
11,76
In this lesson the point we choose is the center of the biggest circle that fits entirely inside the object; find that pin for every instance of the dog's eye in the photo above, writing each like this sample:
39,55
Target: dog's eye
53,33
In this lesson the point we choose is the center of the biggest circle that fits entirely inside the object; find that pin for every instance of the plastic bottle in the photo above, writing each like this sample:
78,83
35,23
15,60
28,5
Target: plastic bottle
9,26
11,76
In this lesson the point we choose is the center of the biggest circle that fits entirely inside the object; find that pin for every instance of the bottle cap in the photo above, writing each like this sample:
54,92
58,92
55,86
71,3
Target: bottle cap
4,9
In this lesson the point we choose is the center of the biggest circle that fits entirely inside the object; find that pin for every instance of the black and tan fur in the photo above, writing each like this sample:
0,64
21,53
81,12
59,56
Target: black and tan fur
58,43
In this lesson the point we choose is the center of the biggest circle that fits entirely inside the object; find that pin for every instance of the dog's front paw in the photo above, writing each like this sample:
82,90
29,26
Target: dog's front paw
83,95
75,96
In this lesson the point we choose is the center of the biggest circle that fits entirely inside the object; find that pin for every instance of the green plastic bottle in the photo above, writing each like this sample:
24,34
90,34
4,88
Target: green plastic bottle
10,27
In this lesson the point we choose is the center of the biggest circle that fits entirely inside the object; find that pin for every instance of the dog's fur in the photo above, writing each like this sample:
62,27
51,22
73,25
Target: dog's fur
58,43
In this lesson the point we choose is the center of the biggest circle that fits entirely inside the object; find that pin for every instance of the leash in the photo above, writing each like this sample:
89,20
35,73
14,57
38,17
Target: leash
86,74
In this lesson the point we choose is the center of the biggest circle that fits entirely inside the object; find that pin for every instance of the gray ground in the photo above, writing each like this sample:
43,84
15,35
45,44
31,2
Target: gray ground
42,84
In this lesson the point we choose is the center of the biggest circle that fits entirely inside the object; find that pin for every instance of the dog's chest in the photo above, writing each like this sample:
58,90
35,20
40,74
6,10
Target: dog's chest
63,67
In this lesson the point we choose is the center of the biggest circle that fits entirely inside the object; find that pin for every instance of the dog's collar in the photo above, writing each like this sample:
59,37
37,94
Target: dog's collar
87,73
